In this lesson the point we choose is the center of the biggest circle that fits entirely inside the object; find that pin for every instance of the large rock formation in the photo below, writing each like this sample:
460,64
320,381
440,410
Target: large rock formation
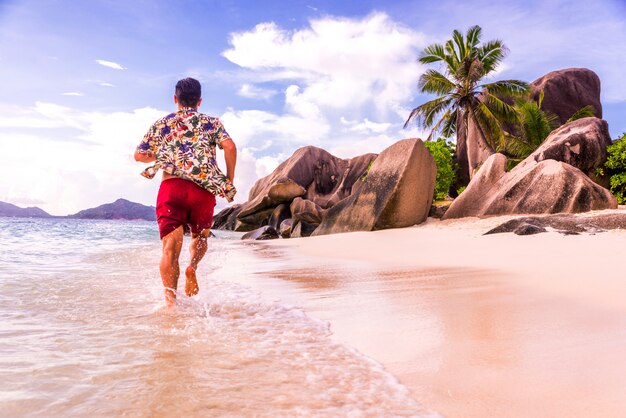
566,91
548,186
227,218
311,173
261,234
397,192
581,144
306,210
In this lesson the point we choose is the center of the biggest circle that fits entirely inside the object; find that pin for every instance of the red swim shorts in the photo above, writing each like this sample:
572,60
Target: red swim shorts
182,202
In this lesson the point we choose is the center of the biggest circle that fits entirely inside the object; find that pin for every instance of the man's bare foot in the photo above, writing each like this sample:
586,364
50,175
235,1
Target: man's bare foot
170,297
191,284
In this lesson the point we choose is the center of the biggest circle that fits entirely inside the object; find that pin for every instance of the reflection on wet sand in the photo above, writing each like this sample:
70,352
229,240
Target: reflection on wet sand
472,342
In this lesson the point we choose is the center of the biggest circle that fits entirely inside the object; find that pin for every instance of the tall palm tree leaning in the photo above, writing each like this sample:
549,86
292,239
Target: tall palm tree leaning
461,98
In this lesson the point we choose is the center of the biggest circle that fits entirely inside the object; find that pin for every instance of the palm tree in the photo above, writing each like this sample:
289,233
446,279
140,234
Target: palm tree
533,128
461,96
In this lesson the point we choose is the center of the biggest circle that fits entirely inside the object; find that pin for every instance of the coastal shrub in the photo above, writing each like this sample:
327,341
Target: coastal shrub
442,153
616,168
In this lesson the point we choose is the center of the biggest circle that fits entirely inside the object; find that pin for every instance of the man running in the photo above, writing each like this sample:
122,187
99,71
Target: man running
182,144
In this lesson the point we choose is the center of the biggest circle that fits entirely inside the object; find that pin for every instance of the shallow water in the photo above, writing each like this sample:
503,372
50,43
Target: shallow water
82,334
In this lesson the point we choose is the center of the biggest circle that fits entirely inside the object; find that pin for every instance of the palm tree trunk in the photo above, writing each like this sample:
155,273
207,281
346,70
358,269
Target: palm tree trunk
478,149
462,163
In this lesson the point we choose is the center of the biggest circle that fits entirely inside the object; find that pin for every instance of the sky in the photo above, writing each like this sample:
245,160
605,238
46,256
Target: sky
82,80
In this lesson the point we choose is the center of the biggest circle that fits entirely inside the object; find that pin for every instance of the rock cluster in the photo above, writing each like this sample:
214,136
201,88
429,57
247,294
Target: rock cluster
314,192
564,92
551,180
398,192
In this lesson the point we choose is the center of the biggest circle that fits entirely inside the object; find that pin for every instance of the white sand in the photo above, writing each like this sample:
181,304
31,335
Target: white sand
475,326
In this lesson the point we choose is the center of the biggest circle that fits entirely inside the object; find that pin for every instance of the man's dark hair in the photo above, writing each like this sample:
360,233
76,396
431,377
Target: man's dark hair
188,92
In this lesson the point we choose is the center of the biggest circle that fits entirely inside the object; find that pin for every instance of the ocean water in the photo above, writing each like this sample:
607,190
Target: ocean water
83,334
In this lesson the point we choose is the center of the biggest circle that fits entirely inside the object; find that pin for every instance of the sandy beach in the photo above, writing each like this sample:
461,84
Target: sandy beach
474,325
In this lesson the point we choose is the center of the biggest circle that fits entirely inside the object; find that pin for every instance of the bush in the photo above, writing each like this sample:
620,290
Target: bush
442,153
616,168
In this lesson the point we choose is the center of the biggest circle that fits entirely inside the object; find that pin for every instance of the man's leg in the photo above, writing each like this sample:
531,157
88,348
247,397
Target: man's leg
197,250
170,270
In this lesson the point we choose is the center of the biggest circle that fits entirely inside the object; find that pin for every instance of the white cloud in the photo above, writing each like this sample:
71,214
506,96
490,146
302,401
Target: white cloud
105,84
93,167
111,64
254,92
258,130
366,126
72,93
339,62
347,82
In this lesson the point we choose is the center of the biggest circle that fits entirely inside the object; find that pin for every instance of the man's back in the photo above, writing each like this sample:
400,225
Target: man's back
184,144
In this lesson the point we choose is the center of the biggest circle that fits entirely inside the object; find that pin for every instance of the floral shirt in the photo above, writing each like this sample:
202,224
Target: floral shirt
184,145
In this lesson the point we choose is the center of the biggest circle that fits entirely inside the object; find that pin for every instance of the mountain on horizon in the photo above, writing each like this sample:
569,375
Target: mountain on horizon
120,209
13,211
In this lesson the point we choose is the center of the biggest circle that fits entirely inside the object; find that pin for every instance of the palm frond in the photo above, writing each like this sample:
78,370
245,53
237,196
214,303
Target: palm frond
444,118
448,128
432,53
424,114
491,54
583,112
442,104
434,82
516,147
452,58
469,73
488,124
501,109
535,124
507,88
459,45
476,71
473,37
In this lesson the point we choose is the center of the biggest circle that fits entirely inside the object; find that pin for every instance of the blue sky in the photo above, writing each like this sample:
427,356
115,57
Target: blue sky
83,80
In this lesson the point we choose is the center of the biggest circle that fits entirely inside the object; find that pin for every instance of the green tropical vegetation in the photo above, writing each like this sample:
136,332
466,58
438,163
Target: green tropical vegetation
616,168
461,95
442,152
532,127
583,112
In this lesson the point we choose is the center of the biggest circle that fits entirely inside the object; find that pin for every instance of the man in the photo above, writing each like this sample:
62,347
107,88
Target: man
182,144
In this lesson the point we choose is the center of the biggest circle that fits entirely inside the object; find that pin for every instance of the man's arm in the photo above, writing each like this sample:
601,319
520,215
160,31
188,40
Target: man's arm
144,157
230,155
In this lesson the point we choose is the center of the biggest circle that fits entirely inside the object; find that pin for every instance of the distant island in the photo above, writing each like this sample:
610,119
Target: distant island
121,209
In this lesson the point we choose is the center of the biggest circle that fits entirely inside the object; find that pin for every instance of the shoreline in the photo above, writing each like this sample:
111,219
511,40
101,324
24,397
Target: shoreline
473,325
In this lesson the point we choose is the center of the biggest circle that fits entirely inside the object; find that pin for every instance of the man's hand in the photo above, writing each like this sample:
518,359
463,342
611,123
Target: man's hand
230,155
144,157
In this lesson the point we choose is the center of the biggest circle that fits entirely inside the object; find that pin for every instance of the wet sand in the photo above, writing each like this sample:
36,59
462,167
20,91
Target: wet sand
475,326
